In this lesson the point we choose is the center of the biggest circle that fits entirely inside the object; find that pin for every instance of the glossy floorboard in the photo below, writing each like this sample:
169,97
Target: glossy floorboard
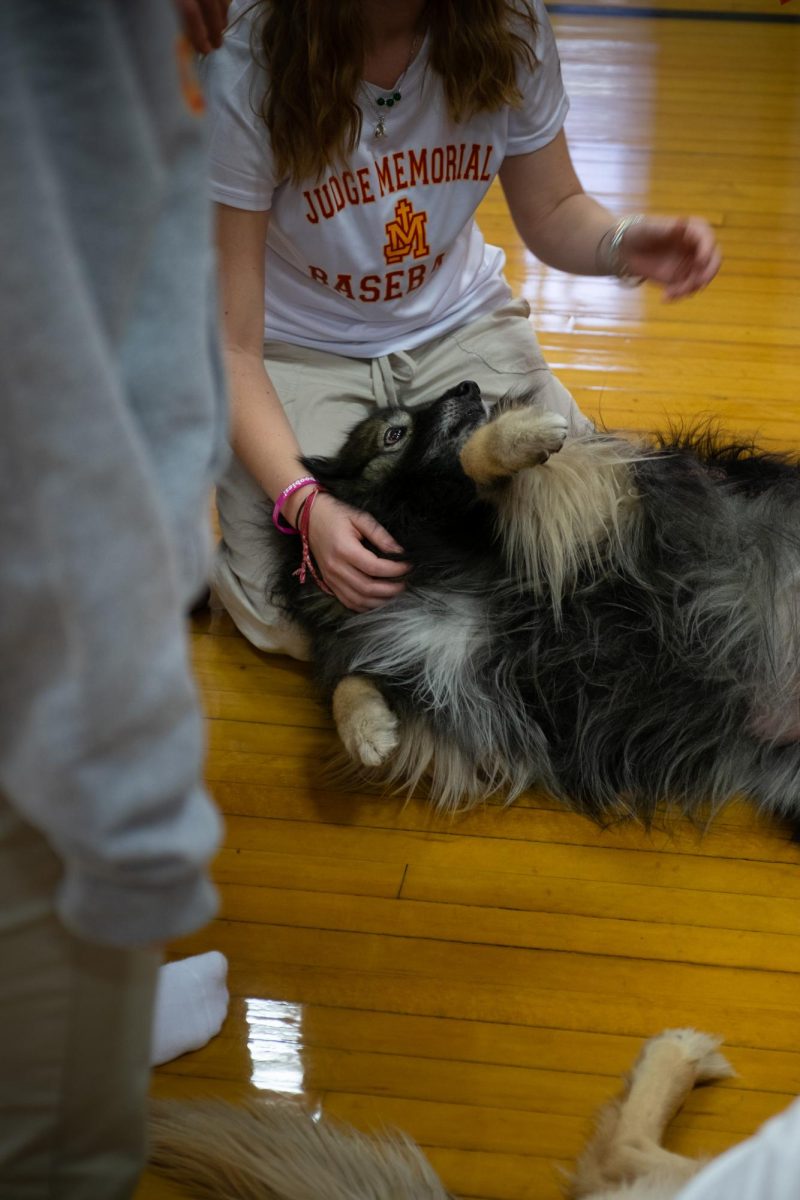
481,983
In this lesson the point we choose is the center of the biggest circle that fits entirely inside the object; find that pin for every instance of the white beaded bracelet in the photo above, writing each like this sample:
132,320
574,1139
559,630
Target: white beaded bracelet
609,251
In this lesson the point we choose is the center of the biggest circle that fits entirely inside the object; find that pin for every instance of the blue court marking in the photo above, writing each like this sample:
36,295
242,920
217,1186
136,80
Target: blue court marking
676,14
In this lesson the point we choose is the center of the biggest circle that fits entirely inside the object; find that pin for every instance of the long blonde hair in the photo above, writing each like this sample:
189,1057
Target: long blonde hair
313,51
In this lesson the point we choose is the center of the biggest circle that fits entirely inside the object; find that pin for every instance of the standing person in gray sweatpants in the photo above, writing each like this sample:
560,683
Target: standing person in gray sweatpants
111,430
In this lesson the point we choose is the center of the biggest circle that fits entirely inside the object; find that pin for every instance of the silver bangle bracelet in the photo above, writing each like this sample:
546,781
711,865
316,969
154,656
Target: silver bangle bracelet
609,251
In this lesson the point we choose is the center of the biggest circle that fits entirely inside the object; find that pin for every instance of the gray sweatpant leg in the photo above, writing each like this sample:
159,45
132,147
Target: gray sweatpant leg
111,427
74,1040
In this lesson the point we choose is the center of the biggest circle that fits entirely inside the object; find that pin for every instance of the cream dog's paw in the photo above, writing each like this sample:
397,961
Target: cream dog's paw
367,726
518,439
552,430
698,1050
526,438
374,736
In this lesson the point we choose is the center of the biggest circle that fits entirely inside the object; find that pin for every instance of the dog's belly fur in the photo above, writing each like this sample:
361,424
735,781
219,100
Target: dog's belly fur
629,638
617,699
464,718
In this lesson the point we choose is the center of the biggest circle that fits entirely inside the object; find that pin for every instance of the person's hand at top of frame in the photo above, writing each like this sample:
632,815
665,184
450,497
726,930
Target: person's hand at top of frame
680,253
357,577
204,22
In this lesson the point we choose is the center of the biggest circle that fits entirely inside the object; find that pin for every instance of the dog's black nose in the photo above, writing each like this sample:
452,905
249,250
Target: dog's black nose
466,391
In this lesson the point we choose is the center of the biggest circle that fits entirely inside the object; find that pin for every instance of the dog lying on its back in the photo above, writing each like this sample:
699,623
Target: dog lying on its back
616,622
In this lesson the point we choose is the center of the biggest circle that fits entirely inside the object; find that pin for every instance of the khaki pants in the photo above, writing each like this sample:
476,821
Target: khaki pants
75,1023
324,395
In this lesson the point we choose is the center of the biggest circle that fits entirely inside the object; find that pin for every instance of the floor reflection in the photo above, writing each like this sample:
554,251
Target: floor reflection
274,1041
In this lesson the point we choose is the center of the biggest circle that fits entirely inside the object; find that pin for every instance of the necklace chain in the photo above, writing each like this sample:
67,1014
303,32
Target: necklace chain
389,100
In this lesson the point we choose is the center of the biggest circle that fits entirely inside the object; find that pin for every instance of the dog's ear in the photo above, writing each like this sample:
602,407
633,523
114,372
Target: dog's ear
328,470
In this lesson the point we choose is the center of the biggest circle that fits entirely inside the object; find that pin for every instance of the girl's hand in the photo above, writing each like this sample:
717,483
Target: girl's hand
680,253
204,22
356,576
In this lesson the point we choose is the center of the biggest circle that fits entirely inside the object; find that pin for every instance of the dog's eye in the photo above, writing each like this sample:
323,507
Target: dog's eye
393,435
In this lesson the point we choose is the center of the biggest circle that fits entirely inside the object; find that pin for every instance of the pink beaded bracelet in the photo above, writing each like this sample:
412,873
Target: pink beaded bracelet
280,523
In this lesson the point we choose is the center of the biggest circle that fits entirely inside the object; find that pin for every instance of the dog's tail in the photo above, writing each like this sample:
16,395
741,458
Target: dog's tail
276,1150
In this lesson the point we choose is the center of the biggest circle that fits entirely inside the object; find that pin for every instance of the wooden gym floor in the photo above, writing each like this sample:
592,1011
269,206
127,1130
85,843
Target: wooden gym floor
482,983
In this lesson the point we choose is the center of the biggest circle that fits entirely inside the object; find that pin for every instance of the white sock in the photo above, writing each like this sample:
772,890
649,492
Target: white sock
191,1004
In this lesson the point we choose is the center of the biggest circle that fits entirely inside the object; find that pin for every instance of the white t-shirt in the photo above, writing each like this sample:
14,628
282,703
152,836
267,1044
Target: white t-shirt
765,1167
380,256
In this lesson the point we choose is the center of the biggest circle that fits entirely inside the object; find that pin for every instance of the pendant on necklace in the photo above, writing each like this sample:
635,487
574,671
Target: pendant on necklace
380,128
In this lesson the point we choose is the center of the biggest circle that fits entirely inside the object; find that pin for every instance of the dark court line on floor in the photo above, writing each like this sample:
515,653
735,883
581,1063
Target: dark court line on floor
675,14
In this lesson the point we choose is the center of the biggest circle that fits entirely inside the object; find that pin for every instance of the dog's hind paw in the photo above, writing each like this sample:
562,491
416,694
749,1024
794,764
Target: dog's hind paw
373,736
367,726
376,740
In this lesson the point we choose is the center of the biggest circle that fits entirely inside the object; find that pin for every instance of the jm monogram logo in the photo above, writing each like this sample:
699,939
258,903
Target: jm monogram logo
406,234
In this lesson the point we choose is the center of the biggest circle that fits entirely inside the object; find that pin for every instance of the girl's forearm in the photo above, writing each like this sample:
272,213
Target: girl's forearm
569,237
261,436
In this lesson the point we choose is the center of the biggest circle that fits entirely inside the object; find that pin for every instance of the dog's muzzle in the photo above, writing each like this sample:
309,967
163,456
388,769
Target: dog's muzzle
462,408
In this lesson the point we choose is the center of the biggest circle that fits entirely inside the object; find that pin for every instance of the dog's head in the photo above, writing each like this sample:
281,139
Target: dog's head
403,464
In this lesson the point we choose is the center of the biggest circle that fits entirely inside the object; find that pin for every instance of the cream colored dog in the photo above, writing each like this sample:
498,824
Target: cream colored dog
276,1150
625,1159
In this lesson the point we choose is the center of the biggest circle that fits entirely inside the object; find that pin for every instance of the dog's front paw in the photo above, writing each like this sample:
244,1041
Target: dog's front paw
367,726
518,439
525,438
551,431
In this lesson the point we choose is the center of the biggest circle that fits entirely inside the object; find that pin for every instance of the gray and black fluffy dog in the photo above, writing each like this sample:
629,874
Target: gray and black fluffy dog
614,621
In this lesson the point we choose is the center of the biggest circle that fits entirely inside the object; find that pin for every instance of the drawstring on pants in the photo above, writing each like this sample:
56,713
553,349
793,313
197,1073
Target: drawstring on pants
386,372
